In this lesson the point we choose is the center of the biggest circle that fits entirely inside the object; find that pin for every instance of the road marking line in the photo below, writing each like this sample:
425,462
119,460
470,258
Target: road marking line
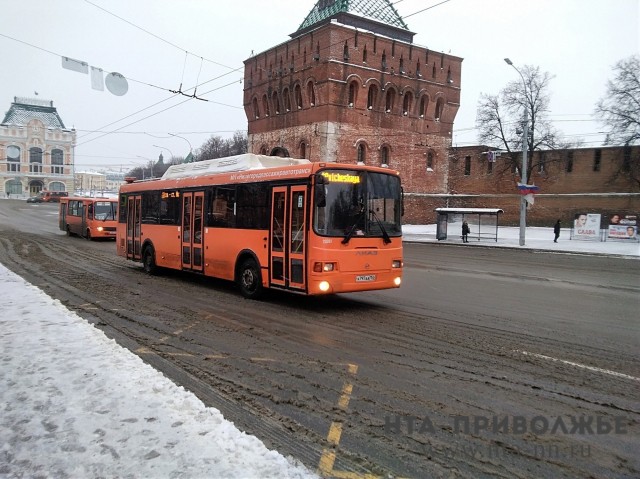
343,402
326,461
578,365
335,431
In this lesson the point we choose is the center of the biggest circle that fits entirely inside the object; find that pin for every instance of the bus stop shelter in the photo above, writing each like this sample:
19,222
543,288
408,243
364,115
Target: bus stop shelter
483,222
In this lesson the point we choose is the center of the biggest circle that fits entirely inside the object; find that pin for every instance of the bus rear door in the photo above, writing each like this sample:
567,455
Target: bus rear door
134,203
192,230
287,260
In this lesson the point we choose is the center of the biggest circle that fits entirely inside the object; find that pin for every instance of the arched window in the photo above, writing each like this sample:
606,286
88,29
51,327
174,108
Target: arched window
286,97
57,162
13,158
439,108
35,160
384,155
263,150
390,100
13,187
424,103
298,95
57,186
311,94
406,103
361,153
372,97
353,93
303,149
276,103
256,111
265,105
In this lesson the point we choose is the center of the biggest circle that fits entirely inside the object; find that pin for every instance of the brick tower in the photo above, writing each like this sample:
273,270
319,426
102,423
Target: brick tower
352,86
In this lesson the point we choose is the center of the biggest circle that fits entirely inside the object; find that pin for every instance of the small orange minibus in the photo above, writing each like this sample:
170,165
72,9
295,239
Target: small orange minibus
90,218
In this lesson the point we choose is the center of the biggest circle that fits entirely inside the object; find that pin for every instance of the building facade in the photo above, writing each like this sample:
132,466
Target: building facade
36,149
349,87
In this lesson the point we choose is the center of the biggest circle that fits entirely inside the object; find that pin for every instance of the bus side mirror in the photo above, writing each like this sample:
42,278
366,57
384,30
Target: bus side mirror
320,196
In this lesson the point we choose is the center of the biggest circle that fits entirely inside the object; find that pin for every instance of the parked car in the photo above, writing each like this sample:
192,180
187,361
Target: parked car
48,197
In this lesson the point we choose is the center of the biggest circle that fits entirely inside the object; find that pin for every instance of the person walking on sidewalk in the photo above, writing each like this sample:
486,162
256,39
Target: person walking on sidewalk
465,231
556,231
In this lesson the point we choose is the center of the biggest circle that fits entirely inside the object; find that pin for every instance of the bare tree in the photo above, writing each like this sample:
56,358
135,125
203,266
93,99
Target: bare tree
217,147
619,112
500,118
619,109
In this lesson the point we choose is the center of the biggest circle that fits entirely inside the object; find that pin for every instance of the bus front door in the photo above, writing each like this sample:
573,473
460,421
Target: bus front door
192,231
287,260
133,227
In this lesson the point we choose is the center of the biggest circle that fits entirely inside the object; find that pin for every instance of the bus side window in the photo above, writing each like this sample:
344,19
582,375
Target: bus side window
221,212
90,211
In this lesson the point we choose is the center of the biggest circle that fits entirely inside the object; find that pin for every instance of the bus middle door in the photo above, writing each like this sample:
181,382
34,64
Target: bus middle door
133,227
288,237
192,230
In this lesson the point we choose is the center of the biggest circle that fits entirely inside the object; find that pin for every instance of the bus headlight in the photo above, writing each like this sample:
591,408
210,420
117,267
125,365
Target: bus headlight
320,267
99,228
396,263
324,286
397,281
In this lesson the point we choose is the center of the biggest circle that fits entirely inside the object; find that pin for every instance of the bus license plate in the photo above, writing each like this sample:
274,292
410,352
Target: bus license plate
365,277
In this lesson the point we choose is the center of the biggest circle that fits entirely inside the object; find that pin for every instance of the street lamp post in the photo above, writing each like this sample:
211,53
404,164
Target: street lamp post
523,173
188,142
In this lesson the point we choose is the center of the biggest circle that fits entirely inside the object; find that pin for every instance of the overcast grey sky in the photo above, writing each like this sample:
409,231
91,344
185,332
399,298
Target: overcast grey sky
577,41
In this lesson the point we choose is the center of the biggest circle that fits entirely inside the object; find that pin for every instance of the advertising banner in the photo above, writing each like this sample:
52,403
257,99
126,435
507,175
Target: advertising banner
623,227
586,226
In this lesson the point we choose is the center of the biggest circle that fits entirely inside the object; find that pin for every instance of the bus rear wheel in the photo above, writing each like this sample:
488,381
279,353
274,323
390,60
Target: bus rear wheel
250,280
149,261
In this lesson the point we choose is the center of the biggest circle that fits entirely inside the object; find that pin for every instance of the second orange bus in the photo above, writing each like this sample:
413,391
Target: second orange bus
90,218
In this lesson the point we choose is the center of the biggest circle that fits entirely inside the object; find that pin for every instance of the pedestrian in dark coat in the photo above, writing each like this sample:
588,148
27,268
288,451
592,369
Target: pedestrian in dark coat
465,231
556,231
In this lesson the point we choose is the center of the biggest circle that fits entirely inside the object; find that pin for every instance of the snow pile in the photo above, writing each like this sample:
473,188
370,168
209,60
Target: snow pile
75,404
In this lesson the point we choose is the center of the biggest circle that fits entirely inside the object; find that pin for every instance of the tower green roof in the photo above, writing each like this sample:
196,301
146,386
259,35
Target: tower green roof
376,15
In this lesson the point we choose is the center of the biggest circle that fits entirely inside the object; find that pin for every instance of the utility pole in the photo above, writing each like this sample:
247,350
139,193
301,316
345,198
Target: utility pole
525,145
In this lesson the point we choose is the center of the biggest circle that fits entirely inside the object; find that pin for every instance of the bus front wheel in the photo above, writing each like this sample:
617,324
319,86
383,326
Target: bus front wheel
249,279
149,261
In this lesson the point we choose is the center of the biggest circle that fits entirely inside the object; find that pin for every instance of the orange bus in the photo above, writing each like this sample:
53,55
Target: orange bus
90,218
268,222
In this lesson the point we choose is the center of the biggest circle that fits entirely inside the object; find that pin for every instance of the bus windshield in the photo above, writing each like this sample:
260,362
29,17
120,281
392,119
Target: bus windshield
105,210
351,203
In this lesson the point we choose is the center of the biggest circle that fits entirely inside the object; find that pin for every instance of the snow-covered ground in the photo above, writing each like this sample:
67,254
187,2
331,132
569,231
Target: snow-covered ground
535,238
75,404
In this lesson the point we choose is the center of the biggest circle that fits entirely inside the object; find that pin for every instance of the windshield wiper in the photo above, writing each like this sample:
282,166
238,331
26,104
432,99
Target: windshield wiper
353,228
385,235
